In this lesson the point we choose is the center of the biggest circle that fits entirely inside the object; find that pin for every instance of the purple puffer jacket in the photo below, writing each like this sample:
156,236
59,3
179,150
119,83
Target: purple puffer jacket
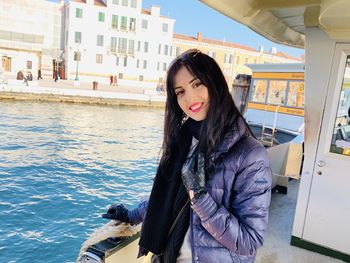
228,223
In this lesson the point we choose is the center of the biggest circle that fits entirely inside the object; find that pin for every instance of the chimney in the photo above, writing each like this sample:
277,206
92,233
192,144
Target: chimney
155,10
199,36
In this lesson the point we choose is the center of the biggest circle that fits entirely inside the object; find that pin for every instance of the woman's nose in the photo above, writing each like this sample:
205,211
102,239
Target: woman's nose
189,96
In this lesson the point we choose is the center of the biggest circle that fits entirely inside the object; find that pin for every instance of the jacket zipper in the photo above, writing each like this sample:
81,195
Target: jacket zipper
192,241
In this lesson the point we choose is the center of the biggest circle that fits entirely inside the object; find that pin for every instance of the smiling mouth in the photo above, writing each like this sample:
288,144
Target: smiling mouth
196,107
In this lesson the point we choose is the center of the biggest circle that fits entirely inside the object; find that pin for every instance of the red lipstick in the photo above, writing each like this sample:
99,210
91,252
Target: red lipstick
196,107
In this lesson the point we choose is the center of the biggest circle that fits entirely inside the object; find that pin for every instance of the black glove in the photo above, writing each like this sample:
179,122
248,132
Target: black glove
117,212
193,174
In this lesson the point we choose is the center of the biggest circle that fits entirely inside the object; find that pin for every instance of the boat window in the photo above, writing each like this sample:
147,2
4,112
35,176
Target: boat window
277,92
296,94
341,133
259,88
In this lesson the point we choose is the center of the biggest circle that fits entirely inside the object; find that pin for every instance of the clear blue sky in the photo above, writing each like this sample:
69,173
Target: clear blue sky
193,16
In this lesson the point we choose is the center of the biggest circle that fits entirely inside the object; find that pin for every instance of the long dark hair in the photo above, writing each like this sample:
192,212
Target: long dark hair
222,112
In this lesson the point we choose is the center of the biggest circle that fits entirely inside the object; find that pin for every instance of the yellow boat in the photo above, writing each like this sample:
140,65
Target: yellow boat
275,109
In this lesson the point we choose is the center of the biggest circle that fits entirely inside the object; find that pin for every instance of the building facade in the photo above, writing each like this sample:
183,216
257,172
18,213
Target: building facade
116,38
94,40
30,36
231,57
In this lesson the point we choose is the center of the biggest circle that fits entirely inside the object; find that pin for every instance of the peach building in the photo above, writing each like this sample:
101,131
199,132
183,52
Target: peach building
231,57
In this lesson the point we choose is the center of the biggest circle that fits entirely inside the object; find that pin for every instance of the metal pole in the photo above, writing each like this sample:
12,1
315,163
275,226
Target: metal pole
77,68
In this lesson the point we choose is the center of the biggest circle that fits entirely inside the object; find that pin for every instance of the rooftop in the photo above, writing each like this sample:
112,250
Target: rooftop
148,12
224,43
96,2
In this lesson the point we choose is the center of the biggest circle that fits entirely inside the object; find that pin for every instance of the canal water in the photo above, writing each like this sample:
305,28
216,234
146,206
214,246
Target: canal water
62,165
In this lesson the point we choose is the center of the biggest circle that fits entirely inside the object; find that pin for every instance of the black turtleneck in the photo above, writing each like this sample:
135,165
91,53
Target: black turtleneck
194,127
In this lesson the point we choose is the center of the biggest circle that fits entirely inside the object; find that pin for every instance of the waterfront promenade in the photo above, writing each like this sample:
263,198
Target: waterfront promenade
66,91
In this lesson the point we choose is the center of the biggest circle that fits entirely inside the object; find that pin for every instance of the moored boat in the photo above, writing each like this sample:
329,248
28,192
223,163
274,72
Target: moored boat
275,107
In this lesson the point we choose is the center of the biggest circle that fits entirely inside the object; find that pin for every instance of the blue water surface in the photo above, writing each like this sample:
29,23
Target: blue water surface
62,165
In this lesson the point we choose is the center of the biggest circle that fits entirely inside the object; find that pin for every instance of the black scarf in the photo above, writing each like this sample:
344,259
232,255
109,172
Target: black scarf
194,127
177,235
168,196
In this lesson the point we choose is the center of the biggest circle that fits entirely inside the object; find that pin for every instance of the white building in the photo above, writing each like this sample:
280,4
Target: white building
158,30
91,40
116,37
30,35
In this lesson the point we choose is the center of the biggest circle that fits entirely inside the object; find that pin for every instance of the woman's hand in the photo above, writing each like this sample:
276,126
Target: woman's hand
117,212
193,175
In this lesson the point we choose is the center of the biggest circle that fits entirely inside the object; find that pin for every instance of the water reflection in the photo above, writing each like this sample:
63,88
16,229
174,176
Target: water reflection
62,165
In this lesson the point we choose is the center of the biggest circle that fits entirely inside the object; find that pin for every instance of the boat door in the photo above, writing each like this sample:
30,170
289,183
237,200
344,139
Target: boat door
328,215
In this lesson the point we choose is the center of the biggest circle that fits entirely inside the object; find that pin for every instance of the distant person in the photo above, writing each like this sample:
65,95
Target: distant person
111,80
26,79
211,193
20,75
39,74
162,89
30,76
158,88
56,75
115,80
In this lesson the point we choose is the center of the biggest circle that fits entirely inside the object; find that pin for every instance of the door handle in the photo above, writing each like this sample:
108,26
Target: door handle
320,163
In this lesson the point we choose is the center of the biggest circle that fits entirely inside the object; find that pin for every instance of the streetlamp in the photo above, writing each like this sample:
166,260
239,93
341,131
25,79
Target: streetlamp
77,56
57,58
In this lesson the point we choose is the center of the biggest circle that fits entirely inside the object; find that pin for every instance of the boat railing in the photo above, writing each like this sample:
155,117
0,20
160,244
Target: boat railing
268,132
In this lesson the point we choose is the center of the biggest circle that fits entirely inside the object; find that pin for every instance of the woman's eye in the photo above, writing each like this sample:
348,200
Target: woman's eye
180,92
197,84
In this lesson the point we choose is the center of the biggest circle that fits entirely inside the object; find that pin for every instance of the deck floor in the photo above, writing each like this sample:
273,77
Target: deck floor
277,248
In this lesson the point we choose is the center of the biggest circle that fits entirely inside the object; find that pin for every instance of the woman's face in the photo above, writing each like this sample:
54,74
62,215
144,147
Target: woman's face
192,95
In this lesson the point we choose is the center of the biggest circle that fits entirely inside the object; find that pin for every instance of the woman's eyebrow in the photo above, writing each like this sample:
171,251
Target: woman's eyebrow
194,79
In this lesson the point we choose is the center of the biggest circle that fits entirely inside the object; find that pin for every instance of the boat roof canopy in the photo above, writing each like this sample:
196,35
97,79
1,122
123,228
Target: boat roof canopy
284,21
280,67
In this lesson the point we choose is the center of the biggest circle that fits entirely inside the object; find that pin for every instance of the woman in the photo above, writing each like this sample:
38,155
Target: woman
212,190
